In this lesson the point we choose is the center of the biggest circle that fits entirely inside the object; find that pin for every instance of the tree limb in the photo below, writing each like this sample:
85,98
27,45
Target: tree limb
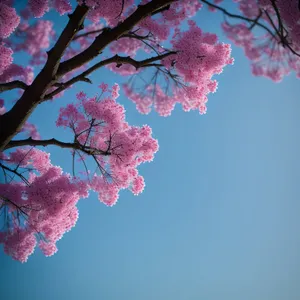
16,84
77,146
119,60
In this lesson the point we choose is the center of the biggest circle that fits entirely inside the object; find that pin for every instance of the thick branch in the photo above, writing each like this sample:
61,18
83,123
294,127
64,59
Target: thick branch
54,142
119,60
17,84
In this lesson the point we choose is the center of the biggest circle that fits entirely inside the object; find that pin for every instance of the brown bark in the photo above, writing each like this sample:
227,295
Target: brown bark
16,84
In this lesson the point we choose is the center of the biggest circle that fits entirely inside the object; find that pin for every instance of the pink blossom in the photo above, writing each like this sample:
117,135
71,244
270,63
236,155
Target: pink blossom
126,45
31,130
138,185
5,58
62,6
36,38
104,87
48,248
115,91
9,20
38,7
199,57
109,10
127,146
49,202
19,244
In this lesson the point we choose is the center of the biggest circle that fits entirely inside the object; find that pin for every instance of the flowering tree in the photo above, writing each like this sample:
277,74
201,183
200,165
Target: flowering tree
37,199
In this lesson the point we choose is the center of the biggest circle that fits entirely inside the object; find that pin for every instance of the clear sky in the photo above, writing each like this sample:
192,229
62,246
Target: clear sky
218,220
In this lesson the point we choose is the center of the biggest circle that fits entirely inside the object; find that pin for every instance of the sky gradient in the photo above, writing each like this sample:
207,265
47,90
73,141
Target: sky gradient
218,219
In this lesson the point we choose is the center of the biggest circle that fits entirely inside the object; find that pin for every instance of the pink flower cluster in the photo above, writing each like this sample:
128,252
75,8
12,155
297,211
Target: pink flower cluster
163,103
124,147
9,20
109,10
160,26
199,57
16,71
40,7
42,208
34,40
128,46
31,130
5,58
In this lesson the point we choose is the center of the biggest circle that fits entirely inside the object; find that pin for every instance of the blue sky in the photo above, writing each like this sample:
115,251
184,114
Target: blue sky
219,218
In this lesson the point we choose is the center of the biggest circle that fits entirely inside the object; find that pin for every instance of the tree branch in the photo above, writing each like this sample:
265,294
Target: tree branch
14,172
5,199
77,146
17,84
119,60
78,36
256,20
